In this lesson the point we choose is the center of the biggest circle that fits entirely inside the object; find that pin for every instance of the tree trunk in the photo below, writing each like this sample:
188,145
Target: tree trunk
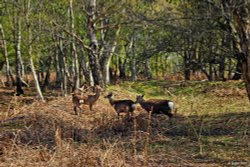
148,68
235,40
93,54
64,86
37,85
65,78
222,68
57,67
107,55
85,70
132,60
9,76
38,89
187,70
75,64
122,69
165,67
157,66
62,64
238,70
19,67
229,76
244,31
210,74
105,63
47,76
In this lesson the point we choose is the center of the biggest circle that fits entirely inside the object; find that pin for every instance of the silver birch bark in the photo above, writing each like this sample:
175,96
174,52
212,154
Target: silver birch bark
63,67
19,62
37,85
9,75
107,55
133,61
75,64
93,54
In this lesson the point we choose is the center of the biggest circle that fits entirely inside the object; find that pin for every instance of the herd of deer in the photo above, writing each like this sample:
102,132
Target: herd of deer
156,106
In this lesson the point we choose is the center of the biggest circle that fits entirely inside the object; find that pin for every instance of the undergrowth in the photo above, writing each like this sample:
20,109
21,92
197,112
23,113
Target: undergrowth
210,128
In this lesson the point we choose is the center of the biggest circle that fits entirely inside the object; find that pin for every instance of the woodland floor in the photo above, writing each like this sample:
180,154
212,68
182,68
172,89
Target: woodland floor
210,128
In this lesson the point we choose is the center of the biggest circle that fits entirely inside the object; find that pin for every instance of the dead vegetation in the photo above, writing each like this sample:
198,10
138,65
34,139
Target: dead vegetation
205,132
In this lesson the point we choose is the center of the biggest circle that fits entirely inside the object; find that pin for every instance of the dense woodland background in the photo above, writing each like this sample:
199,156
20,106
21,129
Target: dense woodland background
101,42
195,53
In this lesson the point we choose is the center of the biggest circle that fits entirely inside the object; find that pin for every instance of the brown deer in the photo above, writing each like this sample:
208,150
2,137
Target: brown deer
87,99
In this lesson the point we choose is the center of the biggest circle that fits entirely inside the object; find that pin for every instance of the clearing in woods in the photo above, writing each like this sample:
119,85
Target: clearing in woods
210,128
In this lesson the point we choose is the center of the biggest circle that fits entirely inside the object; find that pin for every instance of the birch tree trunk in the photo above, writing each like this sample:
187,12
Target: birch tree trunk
75,64
37,85
18,46
62,64
133,61
9,76
107,55
19,64
93,54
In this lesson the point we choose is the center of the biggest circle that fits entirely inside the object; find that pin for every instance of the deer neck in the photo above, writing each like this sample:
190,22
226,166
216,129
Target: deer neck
97,95
111,101
141,101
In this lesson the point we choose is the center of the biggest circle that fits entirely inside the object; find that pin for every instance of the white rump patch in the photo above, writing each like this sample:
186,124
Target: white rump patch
81,101
171,105
133,106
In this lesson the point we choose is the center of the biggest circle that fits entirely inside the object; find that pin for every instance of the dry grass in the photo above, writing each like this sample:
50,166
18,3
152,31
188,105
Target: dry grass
207,130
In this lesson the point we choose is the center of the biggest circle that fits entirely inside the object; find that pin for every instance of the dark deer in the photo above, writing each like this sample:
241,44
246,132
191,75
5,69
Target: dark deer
121,106
156,106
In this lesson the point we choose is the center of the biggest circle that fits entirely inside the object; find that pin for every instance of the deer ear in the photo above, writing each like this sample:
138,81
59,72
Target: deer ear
142,95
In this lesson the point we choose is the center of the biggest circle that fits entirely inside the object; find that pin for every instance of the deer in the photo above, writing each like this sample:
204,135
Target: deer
87,99
156,106
122,106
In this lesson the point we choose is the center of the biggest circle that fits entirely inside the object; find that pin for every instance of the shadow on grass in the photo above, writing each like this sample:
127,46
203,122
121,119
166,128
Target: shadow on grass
39,129
221,124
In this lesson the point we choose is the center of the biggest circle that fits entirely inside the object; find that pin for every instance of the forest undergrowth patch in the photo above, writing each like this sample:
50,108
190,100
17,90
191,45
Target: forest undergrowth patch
207,130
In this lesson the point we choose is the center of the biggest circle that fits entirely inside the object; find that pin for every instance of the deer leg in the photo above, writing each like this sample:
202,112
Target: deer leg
75,109
91,107
132,114
81,110
170,115
128,116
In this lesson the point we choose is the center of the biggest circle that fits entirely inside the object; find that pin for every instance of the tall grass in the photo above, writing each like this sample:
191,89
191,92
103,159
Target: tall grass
207,130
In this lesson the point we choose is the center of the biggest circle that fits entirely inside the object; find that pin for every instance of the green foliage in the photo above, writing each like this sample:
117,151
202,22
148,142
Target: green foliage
149,88
156,88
